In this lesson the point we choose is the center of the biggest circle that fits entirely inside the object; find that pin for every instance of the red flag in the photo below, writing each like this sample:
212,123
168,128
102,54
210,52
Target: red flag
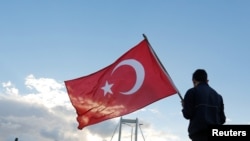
134,81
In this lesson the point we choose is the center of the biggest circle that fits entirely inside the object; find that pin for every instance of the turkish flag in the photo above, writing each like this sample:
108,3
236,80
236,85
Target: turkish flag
134,81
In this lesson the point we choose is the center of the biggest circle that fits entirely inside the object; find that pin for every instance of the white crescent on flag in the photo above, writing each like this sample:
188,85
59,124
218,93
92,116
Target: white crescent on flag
140,74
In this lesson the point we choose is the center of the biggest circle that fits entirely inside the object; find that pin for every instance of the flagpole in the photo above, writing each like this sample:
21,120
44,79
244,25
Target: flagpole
145,37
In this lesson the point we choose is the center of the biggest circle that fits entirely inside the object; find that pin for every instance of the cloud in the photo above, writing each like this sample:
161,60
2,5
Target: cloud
159,135
45,113
9,89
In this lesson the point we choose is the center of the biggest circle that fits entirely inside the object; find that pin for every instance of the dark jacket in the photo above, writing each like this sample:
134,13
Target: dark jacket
203,106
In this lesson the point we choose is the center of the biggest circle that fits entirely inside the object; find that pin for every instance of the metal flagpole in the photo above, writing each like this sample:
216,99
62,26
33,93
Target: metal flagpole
145,37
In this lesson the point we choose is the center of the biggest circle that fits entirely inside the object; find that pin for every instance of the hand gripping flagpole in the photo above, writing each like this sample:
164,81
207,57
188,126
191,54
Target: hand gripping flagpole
145,37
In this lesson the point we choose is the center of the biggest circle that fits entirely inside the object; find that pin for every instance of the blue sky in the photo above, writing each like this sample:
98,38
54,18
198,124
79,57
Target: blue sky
44,43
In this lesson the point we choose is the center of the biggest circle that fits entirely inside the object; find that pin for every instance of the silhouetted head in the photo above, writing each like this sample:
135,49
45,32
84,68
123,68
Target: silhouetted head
200,75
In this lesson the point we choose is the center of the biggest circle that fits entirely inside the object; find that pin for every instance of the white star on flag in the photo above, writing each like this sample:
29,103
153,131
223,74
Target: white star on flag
107,88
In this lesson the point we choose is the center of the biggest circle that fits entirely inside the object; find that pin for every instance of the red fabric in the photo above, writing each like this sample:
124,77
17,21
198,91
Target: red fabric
135,80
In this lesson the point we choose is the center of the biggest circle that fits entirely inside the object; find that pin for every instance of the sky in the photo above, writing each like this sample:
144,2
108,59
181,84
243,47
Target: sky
44,43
